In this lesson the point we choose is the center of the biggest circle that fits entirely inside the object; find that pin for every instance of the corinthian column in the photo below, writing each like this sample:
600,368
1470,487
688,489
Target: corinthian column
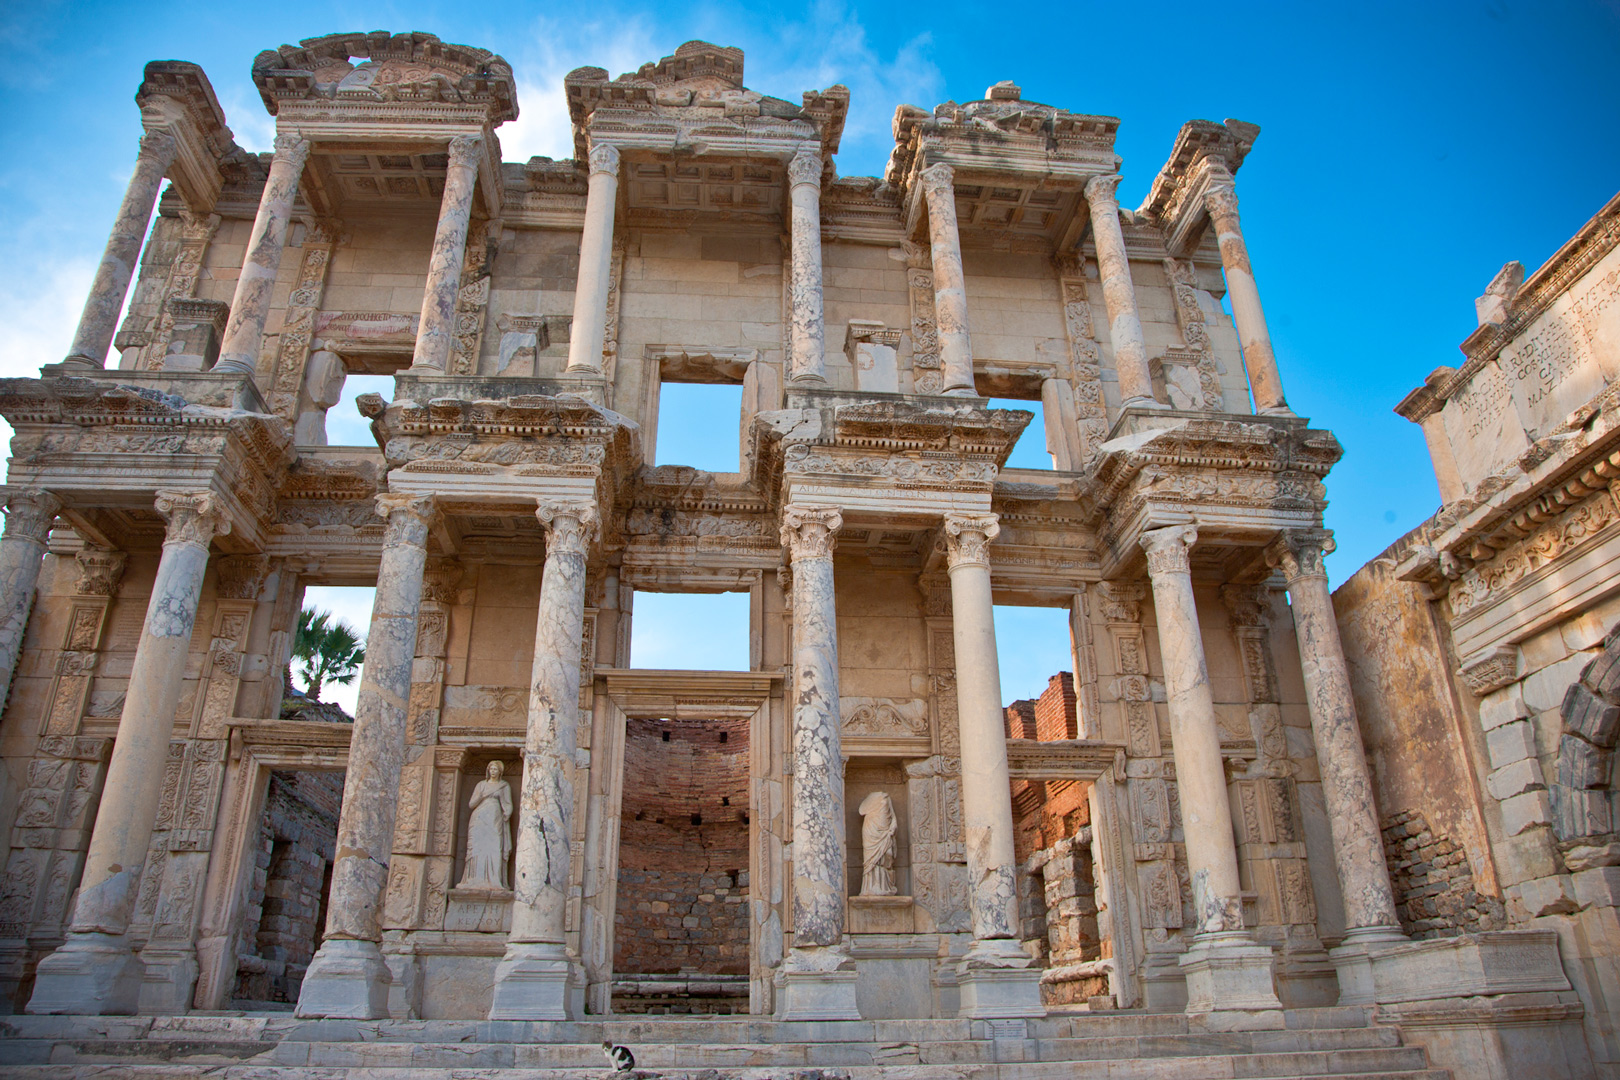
244,333
817,979
536,980
1119,294
348,976
595,263
28,522
95,970
1226,971
809,351
1358,846
438,323
995,976
950,284
1258,359
101,307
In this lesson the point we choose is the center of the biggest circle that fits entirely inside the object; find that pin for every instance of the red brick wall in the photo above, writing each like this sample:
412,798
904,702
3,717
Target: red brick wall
1044,813
683,849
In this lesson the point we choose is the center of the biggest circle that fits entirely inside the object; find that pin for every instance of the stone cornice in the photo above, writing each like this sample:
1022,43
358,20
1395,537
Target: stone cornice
1198,141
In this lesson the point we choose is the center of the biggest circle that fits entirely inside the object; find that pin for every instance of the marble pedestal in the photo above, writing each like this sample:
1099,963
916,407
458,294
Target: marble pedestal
348,979
169,980
816,995
1352,959
998,993
537,981
94,974
1229,983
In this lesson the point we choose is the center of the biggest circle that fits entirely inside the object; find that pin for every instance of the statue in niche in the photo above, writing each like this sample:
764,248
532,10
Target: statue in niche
489,839
878,827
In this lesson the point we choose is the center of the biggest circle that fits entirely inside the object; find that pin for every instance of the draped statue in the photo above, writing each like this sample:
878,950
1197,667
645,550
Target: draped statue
877,845
489,839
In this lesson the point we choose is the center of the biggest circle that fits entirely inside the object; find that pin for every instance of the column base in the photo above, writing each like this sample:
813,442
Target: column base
1279,410
1229,983
1352,959
78,362
91,975
347,980
816,983
1142,403
169,981
997,979
535,981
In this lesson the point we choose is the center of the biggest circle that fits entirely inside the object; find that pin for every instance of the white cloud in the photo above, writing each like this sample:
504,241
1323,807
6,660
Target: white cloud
558,47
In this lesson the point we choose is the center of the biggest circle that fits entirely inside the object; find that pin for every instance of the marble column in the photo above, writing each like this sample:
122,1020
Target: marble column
100,317
348,977
950,284
1227,972
996,976
589,330
95,970
1258,359
244,332
816,980
537,979
437,327
808,362
1119,294
1358,844
28,522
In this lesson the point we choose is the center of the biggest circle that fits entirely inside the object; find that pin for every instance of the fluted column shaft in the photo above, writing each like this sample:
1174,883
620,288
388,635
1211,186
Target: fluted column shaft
28,522
436,329
347,977
1206,813
1358,846
99,319
1119,294
534,979
986,797
244,332
950,283
820,885
1258,359
95,971
589,330
809,331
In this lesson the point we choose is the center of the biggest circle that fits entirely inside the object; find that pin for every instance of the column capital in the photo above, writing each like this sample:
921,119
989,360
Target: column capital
159,145
409,518
29,514
805,168
194,517
967,538
464,151
241,577
100,570
570,526
604,158
1101,192
1299,553
808,532
1169,550
439,580
938,181
1221,201
292,147
1246,604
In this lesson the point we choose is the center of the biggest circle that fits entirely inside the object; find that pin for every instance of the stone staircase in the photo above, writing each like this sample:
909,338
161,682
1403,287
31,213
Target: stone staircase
1316,1044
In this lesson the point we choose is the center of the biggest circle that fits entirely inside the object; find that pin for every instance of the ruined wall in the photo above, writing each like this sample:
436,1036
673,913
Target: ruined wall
683,849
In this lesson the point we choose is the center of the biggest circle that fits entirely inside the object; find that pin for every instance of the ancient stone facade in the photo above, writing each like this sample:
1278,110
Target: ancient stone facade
1481,647
164,515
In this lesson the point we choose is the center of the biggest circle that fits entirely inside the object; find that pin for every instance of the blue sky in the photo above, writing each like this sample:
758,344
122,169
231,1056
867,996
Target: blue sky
1407,152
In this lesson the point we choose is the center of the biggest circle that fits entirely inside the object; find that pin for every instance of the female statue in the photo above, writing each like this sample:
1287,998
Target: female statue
877,845
489,841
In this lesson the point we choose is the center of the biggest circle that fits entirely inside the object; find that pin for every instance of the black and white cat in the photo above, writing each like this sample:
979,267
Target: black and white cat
620,1057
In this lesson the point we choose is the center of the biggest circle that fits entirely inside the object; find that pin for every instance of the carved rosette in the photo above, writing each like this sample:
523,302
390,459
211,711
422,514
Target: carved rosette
810,533
1101,192
241,576
29,515
805,167
194,517
1299,552
100,570
570,527
1169,550
604,158
968,537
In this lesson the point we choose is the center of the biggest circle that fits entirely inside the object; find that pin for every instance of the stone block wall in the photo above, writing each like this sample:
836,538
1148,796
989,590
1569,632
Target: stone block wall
1434,885
285,910
682,900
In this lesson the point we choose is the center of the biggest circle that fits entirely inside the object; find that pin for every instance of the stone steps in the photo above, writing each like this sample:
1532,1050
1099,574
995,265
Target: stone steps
1321,1043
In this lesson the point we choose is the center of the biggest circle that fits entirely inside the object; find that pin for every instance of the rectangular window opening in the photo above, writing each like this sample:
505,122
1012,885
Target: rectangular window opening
1034,653
344,424
699,425
690,631
1030,450
349,605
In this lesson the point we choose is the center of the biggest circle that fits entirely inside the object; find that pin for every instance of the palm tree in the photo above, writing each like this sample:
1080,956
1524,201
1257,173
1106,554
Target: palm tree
327,650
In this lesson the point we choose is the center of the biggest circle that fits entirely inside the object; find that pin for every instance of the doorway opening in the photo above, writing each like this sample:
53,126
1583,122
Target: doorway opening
284,916
681,909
